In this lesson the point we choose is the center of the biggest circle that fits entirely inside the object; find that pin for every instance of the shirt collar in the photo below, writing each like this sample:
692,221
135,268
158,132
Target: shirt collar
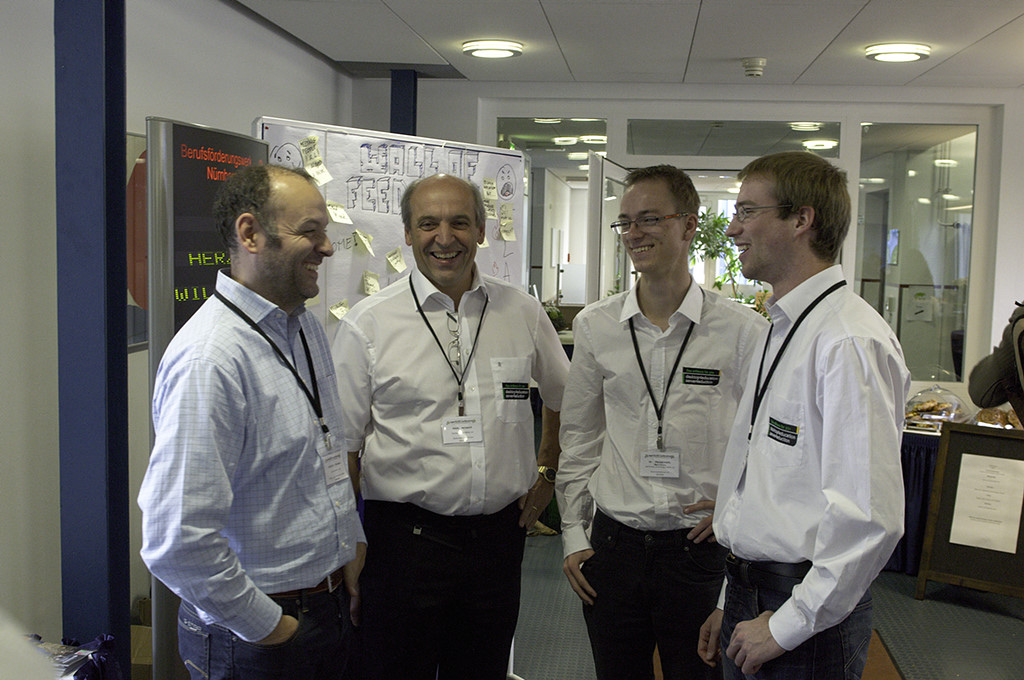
426,290
690,307
795,301
255,306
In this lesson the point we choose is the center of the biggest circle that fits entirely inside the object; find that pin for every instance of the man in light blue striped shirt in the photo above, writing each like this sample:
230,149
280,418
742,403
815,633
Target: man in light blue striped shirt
248,511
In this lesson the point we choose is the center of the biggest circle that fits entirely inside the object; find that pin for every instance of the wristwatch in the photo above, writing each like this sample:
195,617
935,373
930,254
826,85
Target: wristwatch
548,473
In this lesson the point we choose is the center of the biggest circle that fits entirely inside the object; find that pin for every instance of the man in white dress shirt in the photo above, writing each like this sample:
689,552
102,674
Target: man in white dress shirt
435,374
656,376
810,502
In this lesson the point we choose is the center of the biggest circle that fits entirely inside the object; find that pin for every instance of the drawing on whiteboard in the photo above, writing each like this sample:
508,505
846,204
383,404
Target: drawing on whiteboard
506,181
287,155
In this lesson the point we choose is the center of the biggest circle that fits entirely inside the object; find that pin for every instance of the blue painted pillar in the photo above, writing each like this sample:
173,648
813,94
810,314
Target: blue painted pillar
403,101
89,56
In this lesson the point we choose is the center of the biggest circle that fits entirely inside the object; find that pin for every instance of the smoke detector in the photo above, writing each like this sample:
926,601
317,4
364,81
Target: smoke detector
753,67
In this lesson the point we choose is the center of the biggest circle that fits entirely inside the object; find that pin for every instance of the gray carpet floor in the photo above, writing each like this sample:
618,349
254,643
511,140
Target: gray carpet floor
953,633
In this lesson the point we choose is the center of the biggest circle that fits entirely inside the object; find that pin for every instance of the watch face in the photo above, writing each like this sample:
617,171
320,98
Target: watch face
548,474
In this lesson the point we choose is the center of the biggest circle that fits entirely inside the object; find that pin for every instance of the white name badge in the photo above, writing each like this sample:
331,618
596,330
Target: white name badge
655,463
462,430
335,466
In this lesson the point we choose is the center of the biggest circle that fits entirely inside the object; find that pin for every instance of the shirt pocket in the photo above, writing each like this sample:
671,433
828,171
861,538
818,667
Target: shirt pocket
512,388
785,434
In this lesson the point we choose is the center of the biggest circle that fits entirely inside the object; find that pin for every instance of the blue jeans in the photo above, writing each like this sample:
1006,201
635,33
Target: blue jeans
319,650
837,653
653,587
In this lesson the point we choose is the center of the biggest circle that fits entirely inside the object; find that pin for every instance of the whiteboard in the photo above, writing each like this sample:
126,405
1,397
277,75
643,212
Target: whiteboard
368,171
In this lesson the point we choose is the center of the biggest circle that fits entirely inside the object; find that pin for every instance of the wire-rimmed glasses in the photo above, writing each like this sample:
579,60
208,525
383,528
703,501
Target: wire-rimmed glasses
645,222
745,212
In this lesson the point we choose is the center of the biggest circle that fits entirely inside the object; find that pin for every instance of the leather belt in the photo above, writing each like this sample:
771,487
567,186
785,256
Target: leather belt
778,576
329,585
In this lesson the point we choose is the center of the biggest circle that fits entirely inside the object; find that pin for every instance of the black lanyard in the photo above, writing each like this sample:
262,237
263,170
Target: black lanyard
314,397
459,378
659,410
759,390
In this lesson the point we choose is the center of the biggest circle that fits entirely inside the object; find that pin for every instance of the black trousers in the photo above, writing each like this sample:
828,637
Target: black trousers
653,588
440,595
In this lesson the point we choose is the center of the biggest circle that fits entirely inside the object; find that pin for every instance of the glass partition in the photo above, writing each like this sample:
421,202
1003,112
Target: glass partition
916,203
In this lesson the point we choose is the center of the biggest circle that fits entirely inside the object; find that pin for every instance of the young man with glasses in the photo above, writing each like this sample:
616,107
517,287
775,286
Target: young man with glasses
810,502
435,375
655,379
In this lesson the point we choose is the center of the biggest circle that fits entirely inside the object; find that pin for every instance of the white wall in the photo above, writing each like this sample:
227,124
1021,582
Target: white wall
198,61
29,488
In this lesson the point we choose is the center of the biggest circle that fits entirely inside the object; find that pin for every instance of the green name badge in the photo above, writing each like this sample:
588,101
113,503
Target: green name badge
701,376
515,390
782,433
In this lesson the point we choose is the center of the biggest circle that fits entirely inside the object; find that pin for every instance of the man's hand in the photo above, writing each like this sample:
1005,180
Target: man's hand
577,580
752,644
703,529
283,631
535,501
707,643
351,573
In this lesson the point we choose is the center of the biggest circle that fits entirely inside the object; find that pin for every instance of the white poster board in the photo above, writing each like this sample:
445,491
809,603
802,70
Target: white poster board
362,174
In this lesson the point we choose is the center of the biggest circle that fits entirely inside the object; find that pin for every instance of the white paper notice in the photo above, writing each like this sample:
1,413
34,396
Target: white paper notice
988,503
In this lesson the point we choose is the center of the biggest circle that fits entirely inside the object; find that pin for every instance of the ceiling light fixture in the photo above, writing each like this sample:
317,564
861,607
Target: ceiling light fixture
565,141
594,139
945,163
547,121
820,144
576,155
897,52
492,49
805,126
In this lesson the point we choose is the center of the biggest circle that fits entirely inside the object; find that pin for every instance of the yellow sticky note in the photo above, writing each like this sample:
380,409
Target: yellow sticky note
485,244
490,189
364,240
338,213
318,171
371,283
340,309
491,208
396,260
310,147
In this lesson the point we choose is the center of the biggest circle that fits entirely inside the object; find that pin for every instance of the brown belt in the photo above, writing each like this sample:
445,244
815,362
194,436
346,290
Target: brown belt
329,584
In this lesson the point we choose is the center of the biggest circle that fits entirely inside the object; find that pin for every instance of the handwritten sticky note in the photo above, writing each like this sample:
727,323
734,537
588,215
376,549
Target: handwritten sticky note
312,161
396,260
490,189
340,309
371,283
310,148
364,239
491,208
505,224
318,171
338,213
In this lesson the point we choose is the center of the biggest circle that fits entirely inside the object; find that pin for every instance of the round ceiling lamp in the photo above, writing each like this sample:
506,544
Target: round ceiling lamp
492,49
897,52
594,139
822,144
565,141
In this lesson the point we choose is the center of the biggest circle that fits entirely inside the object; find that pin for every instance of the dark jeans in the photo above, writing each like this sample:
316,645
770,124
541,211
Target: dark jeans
440,595
837,653
654,587
319,650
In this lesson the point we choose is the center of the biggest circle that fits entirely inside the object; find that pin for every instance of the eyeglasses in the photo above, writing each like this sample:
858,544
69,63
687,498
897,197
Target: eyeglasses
745,212
454,348
645,222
